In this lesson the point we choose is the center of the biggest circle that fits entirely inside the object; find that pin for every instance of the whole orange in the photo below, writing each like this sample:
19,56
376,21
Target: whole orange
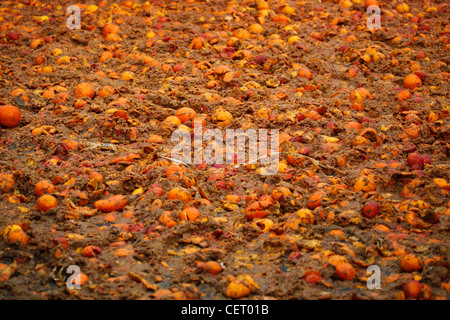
46,202
9,116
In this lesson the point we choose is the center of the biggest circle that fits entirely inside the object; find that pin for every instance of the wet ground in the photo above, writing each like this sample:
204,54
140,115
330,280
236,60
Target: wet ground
286,65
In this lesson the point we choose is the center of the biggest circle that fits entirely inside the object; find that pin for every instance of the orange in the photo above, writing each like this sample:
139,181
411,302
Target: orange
44,186
14,233
172,120
412,81
281,193
179,194
114,203
106,91
166,218
110,28
6,182
175,172
190,214
46,202
360,95
186,114
21,94
222,117
212,267
9,116
305,73
372,3
410,262
345,271
84,90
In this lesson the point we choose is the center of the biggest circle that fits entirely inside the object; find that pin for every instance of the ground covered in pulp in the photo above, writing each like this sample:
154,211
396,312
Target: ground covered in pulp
363,179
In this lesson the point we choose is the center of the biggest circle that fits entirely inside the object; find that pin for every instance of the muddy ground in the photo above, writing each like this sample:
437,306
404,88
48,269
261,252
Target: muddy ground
139,256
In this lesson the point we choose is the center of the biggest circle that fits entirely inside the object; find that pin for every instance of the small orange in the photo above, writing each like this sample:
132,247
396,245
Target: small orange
365,183
212,267
9,116
114,37
305,73
79,104
404,95
106,91
110,28
315,199
256,28
281,193
352,72
14,233
197,43
412,289
312,276
281,18
175,172
241,286
90,251
83,279
305,216
46,202
242,33
360,94
96,175
127,75
71,144
222,117
255,210
6,182
237,289
61,98
106,55
166,218
262,225
128,4
412,81
198,122
262,5
190,214
172,120
179,194
188,181
353,125
371,3
411,262
154,138
44,186
345,271
402,8
186,114
21,94
336,260
114,203
84,90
